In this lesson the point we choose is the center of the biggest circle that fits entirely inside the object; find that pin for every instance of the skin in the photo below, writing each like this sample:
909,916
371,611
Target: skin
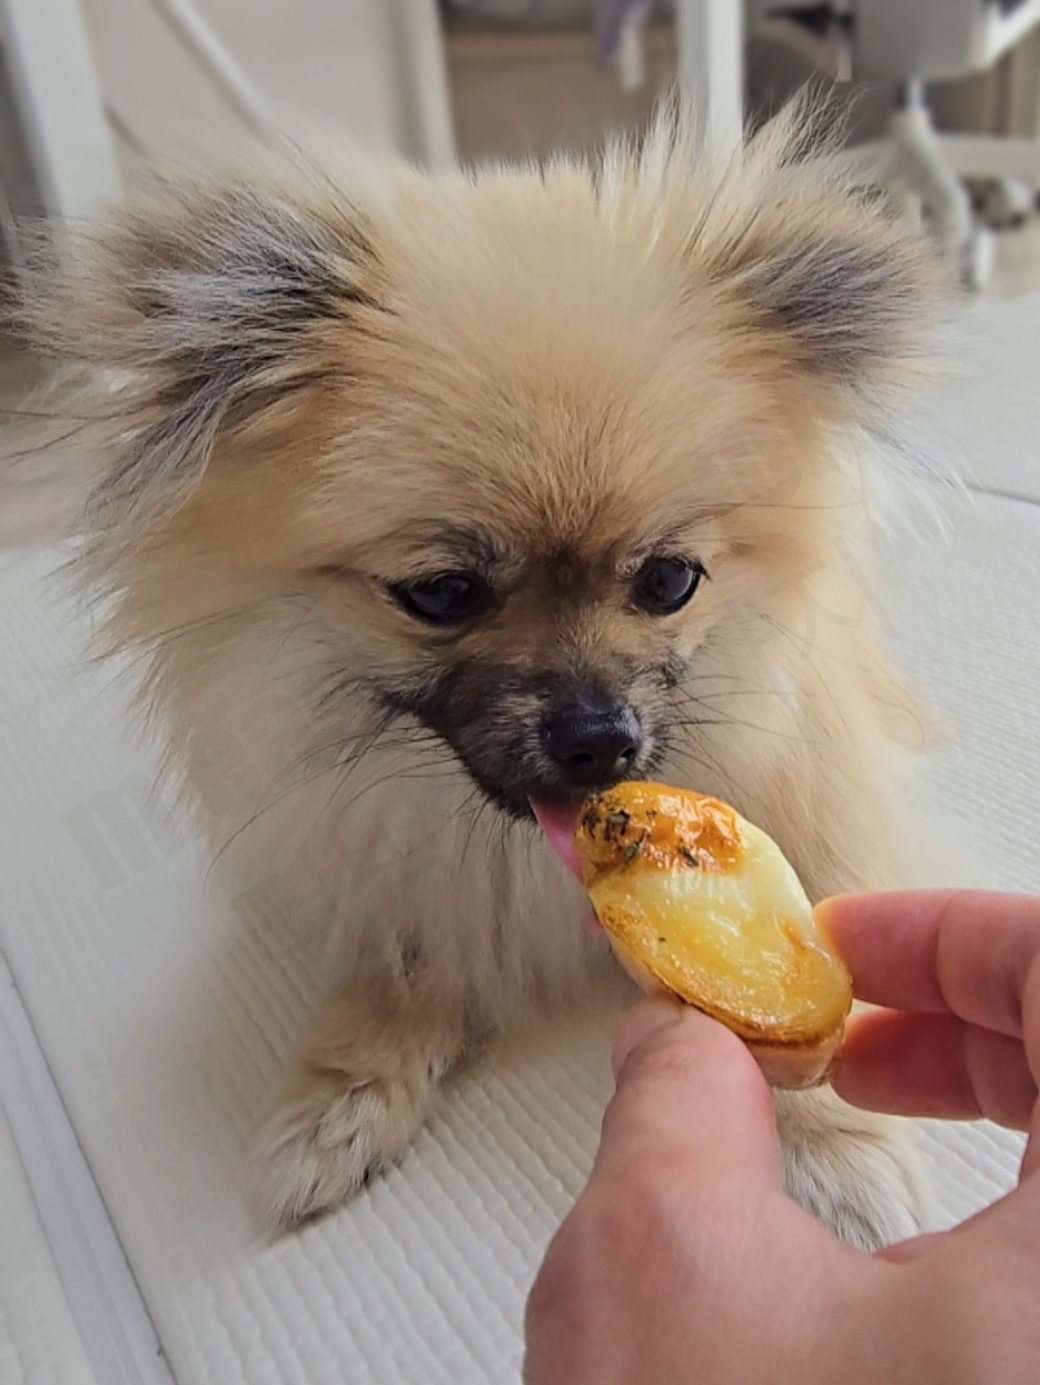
683,1260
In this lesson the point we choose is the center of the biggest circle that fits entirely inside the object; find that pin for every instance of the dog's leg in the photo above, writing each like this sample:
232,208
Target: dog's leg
857,1172
357,1092
860,1173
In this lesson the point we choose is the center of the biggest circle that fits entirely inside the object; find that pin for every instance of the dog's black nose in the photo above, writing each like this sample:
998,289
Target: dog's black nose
593,743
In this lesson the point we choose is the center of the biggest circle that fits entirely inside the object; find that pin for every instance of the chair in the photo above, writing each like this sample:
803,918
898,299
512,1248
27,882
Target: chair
909,43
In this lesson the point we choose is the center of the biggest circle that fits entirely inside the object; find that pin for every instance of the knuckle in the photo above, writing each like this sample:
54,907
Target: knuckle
683,1063
665,1060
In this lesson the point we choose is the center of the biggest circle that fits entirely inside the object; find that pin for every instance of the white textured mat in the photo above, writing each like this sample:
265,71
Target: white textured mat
983,417
164,1020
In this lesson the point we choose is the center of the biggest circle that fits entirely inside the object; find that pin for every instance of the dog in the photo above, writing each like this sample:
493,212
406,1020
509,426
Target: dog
450,496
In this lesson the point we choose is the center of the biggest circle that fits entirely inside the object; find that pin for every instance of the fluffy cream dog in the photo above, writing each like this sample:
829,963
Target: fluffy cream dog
427,498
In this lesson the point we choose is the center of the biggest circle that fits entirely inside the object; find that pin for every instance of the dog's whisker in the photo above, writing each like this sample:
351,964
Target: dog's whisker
266,807
812,665
703,759
741,723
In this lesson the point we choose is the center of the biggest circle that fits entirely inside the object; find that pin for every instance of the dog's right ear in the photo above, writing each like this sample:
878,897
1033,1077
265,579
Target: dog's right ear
194,313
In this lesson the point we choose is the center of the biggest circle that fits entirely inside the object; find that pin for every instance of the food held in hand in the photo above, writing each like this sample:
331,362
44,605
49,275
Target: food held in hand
702,905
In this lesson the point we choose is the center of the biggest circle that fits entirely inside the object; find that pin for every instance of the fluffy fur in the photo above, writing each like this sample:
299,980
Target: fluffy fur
306,392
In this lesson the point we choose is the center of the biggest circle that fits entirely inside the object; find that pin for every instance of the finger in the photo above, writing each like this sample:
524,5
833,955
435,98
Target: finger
903,1252
935,1065
967,953
638,1025
688,1091
1031,1158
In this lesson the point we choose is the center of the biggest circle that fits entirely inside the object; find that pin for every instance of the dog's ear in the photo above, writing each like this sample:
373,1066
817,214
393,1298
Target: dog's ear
847,295
842,288
195,313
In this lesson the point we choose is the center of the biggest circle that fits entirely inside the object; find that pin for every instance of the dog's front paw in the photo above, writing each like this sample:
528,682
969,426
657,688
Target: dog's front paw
858,1173
329,1135
354,1100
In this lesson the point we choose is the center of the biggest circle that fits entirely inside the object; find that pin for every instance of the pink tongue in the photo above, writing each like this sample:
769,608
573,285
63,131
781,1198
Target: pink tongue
559,824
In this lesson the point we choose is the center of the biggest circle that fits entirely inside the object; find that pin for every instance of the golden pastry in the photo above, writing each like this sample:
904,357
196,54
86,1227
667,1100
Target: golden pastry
702,905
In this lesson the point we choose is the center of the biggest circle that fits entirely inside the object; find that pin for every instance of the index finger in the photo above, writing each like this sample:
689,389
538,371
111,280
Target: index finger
966,953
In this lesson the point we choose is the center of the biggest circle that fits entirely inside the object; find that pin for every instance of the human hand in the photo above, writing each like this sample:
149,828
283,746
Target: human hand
684,1260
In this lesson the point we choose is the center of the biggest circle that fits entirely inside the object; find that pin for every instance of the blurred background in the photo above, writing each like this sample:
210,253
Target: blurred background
91,90
85,82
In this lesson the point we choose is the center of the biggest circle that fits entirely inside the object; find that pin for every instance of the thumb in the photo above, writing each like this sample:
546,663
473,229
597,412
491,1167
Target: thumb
688,1090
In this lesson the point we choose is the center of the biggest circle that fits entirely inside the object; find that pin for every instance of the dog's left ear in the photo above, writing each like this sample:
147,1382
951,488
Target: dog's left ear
847,291
848,296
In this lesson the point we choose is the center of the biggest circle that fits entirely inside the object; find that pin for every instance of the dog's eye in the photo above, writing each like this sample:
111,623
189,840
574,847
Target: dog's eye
447,599
664,585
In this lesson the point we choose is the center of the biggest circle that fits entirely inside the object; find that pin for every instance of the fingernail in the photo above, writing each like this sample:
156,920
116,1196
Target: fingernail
639,1024
832,902
823,911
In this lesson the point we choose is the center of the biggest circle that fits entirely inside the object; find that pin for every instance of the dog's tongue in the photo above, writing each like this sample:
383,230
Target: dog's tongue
559,823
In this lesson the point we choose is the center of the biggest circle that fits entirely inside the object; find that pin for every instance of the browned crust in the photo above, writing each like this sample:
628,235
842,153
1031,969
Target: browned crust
654,825
791,1063
662,827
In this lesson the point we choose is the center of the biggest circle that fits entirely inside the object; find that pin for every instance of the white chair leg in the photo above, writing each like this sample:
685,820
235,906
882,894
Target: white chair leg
711,67
60,104
422,76
921,164
920,161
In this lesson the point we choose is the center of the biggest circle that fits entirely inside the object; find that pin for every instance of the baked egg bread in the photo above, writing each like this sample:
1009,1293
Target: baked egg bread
702,905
